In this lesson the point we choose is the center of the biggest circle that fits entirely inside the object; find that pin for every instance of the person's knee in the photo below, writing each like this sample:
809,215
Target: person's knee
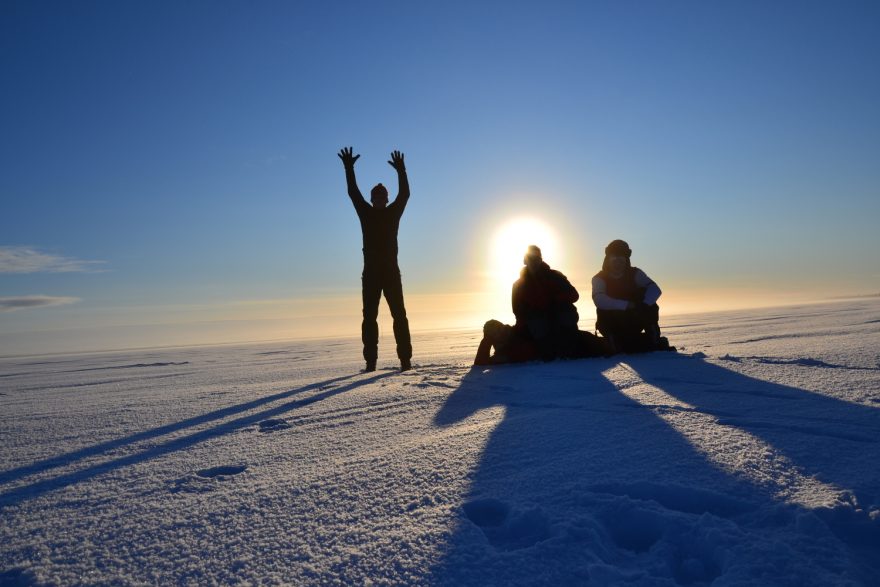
396,306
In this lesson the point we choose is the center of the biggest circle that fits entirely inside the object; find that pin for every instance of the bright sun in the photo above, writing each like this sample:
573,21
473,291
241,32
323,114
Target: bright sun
509,245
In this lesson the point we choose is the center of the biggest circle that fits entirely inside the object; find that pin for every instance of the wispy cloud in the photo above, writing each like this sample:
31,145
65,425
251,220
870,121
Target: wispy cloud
30,260
12,304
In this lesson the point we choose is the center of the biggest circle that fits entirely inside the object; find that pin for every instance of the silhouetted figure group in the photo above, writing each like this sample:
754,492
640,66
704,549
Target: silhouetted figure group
627,314
546,328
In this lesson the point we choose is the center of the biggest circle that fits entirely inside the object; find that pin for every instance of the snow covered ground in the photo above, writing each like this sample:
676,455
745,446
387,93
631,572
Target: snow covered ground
752,457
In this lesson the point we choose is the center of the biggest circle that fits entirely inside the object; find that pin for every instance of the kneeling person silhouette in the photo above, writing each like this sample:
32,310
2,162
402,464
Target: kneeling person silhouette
513,346
510,346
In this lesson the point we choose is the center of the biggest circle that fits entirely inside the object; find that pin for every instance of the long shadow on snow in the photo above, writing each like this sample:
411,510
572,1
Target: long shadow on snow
89,451
571,442
37,488
827,438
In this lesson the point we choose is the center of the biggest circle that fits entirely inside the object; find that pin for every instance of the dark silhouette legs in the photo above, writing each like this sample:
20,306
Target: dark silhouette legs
624,329
371,293
373,287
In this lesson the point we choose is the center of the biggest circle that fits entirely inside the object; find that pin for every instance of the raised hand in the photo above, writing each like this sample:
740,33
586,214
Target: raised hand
347,157
397,161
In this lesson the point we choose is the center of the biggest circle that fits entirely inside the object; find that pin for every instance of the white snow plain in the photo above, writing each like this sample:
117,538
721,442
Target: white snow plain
748,458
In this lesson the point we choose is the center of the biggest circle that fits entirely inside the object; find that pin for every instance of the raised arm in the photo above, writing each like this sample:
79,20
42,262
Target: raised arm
402,181
354,193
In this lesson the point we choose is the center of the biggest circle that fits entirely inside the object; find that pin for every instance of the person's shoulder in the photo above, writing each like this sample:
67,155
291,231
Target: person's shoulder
521,280
641,277
558,274
600,276
362,207
396,208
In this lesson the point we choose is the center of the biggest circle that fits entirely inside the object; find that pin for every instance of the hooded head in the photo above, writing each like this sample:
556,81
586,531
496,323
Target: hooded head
533,251
617,255
532,259
379,196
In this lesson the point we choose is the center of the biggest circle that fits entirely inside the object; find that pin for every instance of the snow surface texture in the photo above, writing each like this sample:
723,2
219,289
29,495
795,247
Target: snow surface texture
748,458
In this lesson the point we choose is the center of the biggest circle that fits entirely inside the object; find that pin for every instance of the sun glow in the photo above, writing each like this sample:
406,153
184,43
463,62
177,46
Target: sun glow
508,245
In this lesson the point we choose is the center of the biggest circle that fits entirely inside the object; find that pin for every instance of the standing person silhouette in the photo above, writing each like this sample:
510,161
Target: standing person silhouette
379,224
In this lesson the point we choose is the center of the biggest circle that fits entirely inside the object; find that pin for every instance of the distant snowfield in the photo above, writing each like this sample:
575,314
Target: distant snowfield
751,457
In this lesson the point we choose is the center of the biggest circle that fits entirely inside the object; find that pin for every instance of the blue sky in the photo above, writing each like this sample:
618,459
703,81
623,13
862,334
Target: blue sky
170,171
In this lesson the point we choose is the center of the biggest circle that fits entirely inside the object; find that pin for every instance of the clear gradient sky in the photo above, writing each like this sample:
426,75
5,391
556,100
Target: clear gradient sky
170,176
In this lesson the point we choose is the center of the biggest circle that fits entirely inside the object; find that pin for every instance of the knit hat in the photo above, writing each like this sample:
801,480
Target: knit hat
533,251
619,248
378,191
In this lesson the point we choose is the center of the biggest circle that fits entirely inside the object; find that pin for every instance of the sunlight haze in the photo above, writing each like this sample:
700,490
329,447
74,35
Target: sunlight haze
170,170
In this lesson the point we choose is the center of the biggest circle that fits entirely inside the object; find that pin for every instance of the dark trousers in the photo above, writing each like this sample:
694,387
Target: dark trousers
624,328
375,283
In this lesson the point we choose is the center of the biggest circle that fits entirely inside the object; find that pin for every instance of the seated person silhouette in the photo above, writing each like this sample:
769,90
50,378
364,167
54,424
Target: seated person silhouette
546,320
543,303
511,346
627,313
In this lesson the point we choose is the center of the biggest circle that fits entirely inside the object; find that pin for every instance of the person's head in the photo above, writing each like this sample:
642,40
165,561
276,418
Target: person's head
617,255
379,196
532,259
495,332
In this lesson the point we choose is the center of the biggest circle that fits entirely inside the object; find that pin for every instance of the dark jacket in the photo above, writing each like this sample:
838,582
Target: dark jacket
379,225
624,288
547,295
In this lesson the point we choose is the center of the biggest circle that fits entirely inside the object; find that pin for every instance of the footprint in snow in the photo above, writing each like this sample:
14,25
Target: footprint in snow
205,480
221,472
638,527
508,529
273,425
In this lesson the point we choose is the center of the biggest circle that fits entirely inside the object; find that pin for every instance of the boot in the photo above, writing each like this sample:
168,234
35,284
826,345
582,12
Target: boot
611,346
371,366
653,334
405,365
